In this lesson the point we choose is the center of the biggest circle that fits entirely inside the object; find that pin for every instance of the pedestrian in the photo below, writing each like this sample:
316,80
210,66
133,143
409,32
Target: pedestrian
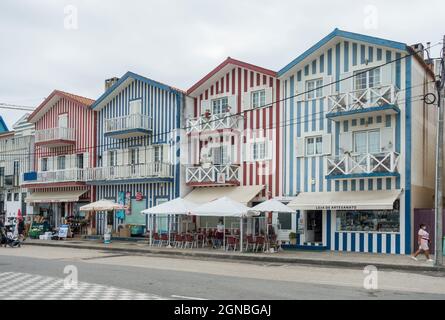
423,240
21,229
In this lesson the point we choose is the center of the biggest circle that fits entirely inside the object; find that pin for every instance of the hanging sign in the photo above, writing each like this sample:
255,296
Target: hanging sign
139,196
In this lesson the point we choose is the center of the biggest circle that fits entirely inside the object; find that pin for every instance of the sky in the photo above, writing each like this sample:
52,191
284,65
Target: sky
75,45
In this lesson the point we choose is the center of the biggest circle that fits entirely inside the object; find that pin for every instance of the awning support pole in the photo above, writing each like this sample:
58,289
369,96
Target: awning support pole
241,236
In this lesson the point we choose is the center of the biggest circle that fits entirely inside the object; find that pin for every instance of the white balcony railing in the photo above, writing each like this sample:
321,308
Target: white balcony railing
131,171
67,175
211,174
362,99
128,122
385,162
212,122
52,134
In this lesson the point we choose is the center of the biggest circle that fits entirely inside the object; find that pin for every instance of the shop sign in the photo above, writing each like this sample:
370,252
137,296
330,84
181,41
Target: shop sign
128,203
335,207
221,178
63,231
121,200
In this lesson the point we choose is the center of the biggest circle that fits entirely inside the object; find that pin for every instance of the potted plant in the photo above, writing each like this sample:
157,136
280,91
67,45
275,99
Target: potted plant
293,238
207,113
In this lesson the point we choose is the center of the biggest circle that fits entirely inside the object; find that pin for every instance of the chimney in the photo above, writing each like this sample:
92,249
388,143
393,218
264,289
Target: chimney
110,82
419,48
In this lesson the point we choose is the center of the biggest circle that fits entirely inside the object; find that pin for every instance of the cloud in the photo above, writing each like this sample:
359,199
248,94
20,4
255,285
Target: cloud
176,41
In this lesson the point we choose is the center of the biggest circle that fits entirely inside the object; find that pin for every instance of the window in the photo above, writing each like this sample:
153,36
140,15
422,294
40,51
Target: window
220,155
2,177
63,120
16,197
367,142
79,161
136,106
44,163
158,154
134,156
112,158
258,99
285,221
367,79
16,175
220,106
314,89
61,162
314,146
9,196
259,151
372,220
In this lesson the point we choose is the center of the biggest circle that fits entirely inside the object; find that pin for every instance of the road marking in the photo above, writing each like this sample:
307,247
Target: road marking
188,298
24,286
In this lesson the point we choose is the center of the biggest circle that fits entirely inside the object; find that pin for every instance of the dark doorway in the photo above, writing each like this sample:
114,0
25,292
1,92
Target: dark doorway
314,223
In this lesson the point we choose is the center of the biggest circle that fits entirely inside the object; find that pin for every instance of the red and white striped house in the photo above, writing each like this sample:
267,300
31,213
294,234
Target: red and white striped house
233,129
65,142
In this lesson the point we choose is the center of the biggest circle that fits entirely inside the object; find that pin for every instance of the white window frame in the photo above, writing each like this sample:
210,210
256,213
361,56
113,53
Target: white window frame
314,88
259,150
258,98
133,103
45,161
63,117
365,74
158,154
58,159
112,158
220,105
313,140
367,141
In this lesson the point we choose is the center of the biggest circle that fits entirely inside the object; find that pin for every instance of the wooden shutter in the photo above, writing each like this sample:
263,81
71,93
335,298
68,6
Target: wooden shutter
386,73
327,144
346,85
165,153
328,90
346,142
269,96
246,101
300,147
205,104
387,139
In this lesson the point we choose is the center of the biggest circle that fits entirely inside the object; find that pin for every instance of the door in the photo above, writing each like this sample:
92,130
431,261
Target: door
314,226
63,126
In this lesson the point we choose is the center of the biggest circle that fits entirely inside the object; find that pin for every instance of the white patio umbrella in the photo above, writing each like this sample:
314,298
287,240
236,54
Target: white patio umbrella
225,207
272,205
177,206
102,205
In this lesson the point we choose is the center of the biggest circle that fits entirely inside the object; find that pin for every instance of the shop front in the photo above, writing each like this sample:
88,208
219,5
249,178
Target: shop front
363,221
59,208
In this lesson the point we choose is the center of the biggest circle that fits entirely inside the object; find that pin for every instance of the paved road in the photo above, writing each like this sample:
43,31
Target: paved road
38,273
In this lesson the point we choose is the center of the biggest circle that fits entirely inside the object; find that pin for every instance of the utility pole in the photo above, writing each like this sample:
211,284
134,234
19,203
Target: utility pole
439,160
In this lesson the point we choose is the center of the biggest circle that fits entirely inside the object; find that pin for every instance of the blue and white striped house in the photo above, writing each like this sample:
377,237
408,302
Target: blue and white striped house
358,143
137,146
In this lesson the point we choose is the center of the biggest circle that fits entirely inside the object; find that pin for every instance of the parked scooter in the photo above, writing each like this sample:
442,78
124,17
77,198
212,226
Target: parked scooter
8,238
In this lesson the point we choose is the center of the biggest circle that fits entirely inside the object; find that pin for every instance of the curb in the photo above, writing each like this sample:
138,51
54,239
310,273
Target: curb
247,258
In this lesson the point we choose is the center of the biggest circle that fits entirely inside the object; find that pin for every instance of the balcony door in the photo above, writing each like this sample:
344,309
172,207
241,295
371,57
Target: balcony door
63,126
134,160
158,158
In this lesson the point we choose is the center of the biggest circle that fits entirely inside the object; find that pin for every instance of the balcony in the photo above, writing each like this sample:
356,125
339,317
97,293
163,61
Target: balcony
55,137
151,171
381,99
134,125
349,165
214,122
213,175
72,175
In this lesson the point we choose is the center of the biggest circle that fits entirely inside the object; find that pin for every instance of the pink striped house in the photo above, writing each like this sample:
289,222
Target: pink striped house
233,134
65,142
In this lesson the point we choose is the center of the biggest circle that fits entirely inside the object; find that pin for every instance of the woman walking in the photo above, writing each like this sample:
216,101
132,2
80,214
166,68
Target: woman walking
423,240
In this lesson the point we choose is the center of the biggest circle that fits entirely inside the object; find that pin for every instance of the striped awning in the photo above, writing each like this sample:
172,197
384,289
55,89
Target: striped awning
351,200
59,196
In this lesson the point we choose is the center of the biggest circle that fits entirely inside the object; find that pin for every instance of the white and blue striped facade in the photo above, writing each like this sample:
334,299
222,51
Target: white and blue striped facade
332,59
163,105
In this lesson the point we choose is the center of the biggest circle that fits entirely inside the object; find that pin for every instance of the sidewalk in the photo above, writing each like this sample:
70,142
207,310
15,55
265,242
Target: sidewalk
325,258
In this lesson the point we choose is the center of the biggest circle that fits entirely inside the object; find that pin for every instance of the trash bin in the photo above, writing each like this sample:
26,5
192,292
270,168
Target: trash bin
107,238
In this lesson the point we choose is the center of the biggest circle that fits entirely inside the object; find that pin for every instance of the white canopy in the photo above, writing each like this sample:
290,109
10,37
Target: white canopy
223,207
176,206
272,205
102,205
350,200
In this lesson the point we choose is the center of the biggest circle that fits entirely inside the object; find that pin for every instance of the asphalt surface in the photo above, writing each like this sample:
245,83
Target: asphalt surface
179,278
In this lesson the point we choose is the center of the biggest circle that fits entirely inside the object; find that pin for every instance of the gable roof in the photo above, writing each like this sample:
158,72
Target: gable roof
53,98
343,34
3,126
123,82
230,61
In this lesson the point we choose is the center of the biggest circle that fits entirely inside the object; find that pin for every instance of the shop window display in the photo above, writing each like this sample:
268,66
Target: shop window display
369,221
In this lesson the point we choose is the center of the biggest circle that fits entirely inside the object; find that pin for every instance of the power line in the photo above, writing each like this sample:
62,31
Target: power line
269,105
